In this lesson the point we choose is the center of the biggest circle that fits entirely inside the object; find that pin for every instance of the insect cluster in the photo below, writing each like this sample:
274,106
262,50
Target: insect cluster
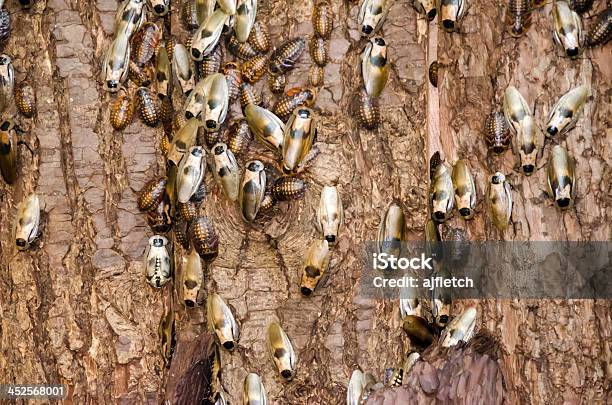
322,24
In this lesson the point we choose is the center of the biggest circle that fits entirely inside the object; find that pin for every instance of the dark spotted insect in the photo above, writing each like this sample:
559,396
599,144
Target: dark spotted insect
433,73
141,76
267,202
5,27
242,50
208,138
601,32
25,99
318,51
151,194
148,107
8,152
368,111
292,99
259,38
315,75
234,79
249,95
166,114
284,57
323,19
254,68
581,6
144,43
181,233
211,63
497,132
186,211
204,238
518,17
434,162
288,188
189,16
277,83
121,110
159,219
164,145
239,137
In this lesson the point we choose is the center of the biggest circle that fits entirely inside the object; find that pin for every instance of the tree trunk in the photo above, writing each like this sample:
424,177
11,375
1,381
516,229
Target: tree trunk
76,310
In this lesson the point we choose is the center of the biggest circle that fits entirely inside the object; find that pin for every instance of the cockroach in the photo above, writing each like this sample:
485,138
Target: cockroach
226,171
433,73
288,188
151,194
249,95
460,329
212,63
516,108
27,222
497,133
293,99
561,178
8,151
259,38
121,110
564,114
183,69
315,265
233,78
25,99
252,190
159,219
148,108
157,261
567,29
221,322
114,67
282,351
581,6
254,68
368,112
300,133
191,172
228,6
441,300
181,229
451,12
391,231
166,115
141,76
253,392
434,161
330,214
206,38
129,18
187,211
357,386
189,15
315,75
242,50
209,138
318,51
183,140
194,104
284,57
217,102
601,32
277,84
528,144
441,195
205,239
500,200
5,27
144,43
323,19
518,16
266,126
160,7
193,280
163,72
465,189
239,137
375,66
426,8
245,19
372,15
418,330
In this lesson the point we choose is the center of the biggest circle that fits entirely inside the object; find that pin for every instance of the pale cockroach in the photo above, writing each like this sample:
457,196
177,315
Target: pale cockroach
284,57
167,335
561,178
233,78
441,300
191,172
277,84
211,63
391,231
183,140
239,137
460,329
183,69
601,32
148,108
581,6
356,387
115,65
451,12
27,222
465,189
204,238
282,351
564,114
5,26
427,8
129,18
249,95
287,188
375,66
567,29
242,50
518,17
433,73
159,219
254,68
163,72
500,200
228,6
245,19
315,266
206,38
160,7
497,132
25,99
157,261
253,392
266,126
330,214
141,76
8,151
315,75
204,9
318,51
194,104
252,190
441,195
528,144
217,102
433,247
259,38
221,322
121,110
226,171
368,111
372,15
300,133
151,194
516,108
144,43
323,19
292,99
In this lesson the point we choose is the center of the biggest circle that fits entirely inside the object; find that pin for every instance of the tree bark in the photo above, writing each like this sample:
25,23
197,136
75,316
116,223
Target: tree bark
77,310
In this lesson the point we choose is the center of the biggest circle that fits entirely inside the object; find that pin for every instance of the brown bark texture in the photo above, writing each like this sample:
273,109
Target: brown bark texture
77,310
